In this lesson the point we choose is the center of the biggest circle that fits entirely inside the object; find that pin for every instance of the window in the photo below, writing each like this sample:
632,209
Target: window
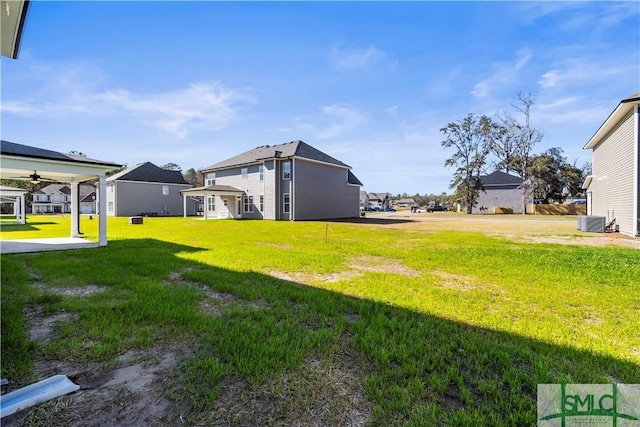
286,203
248,203
210,179
211,203
244,172
261,203
286,170
261,172
110,206
165,190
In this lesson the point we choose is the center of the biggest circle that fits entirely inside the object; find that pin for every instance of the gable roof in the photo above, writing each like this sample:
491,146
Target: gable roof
351,179
614,118
500,178
148,172
379,196
291,149
85,189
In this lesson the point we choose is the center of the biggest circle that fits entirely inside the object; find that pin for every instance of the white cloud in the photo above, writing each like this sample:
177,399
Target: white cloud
501,73
332,121
575,72
355,58
73,90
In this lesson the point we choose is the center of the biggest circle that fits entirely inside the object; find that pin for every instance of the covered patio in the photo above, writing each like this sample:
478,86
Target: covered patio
33,164
230,196
15,196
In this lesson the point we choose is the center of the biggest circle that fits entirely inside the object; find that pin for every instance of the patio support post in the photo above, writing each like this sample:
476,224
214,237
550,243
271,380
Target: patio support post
23,210
102,210
206,205
75,223
184,206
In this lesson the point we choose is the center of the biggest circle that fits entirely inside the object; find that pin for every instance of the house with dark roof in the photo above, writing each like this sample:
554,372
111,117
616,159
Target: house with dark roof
56,198
147,189
291,181
613,188
501,190
379,201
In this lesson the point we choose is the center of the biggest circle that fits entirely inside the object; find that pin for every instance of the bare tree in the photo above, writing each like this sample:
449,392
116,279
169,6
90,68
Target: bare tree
528,136
472,138
505,146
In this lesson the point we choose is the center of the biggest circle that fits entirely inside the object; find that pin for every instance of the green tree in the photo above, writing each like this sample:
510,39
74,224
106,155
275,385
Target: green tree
472,139
191,176
171,167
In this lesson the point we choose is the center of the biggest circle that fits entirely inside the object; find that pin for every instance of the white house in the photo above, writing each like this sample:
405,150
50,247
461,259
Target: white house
613,186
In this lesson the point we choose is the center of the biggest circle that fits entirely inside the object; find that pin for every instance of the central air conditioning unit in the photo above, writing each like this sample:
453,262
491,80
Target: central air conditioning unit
591,223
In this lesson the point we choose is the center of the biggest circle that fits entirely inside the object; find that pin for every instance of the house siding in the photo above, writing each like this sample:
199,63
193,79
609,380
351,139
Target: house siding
135,198
321,192
252,186
503,196
270,201
613,188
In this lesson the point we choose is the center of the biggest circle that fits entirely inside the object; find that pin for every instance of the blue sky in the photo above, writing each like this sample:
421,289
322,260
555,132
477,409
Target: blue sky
370,83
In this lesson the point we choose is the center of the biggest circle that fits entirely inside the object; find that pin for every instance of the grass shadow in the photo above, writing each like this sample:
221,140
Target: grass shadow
416,368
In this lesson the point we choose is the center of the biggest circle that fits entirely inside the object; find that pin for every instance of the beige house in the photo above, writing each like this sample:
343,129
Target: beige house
613,189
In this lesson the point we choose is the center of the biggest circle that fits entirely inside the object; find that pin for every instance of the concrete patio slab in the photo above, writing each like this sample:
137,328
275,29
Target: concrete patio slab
38,245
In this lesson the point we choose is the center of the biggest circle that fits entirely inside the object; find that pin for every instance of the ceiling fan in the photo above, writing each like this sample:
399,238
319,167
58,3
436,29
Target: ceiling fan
34,178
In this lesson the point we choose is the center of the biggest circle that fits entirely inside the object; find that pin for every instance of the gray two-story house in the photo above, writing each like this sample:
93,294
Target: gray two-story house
291,181
147,189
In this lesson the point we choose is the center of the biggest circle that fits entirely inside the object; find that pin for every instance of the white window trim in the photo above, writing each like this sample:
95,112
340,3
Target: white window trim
244,172
286,204
284,171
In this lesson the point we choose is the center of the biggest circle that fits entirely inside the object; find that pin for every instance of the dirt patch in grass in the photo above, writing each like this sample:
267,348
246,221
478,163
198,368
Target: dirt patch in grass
457,282
357,267
133,393
74,291
41,326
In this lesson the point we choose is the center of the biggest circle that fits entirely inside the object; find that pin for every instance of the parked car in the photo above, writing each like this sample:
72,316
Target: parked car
579,202
418,209
436,208
390,210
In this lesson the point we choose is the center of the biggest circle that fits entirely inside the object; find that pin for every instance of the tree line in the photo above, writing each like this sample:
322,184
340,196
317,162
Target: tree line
505,143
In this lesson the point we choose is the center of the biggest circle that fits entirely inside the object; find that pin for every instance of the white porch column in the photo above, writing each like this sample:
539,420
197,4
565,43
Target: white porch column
102,210
23,210
75,205
205,205
184,206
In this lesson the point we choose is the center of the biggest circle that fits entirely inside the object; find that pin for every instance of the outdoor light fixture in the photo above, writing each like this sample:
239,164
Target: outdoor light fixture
35,178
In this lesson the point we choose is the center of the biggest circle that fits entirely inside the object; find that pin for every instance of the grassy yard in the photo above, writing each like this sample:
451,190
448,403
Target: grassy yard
333,323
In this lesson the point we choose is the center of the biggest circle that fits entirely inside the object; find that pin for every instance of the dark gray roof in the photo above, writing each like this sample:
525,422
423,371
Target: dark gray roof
351,179
14,149
148,172
500,178
290,149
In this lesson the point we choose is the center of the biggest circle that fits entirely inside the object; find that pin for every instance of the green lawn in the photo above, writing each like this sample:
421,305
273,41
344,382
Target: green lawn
437,327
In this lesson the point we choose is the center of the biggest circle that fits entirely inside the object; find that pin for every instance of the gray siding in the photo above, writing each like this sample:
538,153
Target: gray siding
504,196
135,198
270,201
321,192
614,169
252,186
